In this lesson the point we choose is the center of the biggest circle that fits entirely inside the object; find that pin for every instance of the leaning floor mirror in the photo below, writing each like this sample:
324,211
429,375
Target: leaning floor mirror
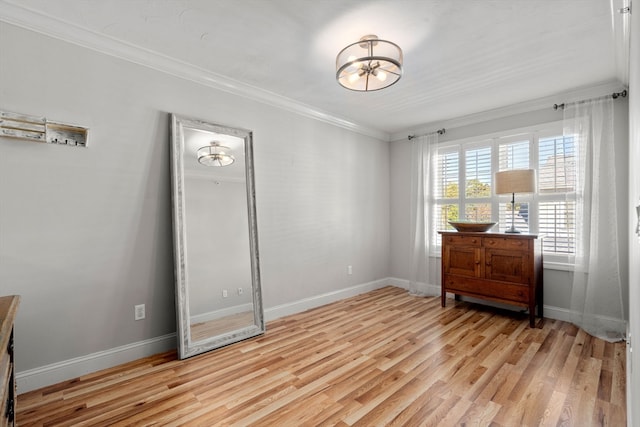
218,295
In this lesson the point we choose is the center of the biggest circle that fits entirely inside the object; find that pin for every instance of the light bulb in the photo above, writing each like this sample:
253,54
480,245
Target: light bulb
354,77
381,75
354,65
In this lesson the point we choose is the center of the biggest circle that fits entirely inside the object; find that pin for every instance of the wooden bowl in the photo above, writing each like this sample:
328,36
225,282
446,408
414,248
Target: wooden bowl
471,226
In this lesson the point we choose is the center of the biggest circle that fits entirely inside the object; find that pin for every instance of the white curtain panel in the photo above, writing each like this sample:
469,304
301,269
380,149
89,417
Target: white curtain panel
596,297
423,279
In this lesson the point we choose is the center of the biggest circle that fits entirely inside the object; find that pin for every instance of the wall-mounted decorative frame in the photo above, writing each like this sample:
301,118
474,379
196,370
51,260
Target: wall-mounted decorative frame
39,129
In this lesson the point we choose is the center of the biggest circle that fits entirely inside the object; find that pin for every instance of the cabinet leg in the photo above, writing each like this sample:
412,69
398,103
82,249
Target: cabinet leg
443,299
532,317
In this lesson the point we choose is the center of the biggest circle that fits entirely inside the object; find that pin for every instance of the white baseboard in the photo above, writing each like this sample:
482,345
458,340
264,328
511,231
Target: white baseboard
618,328
423,288
67,369
54,373
549,311
318,300
33,379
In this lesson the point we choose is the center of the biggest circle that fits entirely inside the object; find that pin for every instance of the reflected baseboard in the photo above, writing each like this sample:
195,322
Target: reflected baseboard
224,312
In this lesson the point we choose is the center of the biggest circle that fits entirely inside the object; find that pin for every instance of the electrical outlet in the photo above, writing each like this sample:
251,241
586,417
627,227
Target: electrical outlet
139,311
240,291
349,270
225,293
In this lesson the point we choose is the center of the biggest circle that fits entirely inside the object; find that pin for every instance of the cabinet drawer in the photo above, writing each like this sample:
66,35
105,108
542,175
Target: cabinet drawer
505,243
494,290
463,241
5,386
4,407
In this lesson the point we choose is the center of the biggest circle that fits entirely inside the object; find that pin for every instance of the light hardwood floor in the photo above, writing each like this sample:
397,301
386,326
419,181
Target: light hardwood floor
377,359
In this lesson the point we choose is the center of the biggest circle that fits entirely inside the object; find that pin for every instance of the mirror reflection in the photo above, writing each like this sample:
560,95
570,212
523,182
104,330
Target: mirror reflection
217,287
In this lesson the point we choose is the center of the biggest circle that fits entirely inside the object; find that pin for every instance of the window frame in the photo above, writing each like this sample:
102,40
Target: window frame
532,134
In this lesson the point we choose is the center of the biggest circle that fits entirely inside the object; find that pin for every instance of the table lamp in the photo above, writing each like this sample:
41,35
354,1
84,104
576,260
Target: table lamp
512,182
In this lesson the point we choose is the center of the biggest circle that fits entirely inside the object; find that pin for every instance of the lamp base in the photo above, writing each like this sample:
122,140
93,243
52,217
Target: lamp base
513,229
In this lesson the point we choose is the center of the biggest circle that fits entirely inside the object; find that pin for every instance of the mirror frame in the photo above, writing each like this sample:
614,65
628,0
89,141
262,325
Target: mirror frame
187,347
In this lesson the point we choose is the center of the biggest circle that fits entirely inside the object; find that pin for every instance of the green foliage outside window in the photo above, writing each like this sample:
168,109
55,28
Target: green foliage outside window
476,188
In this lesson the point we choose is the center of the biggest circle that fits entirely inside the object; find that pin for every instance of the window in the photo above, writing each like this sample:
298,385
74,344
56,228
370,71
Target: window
464,173
556,193
447,205
514,153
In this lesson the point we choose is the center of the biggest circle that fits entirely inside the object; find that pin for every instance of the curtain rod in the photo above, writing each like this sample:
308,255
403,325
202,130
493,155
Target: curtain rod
614,95
439,132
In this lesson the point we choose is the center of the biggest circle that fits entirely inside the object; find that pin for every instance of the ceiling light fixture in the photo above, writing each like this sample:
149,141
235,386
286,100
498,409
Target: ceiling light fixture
215,155
369,64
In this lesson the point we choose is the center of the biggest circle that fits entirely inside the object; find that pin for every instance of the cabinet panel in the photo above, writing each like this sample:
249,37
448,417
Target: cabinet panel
5,387
8,309
509,266
464,261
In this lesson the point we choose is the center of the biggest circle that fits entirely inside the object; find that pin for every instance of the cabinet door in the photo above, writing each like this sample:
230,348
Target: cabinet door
462,261
507,265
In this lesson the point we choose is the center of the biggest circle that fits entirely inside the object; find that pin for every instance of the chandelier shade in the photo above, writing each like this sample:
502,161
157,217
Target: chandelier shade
215,155
369,64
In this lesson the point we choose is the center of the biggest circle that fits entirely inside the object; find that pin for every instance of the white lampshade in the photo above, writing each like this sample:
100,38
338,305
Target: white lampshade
515,181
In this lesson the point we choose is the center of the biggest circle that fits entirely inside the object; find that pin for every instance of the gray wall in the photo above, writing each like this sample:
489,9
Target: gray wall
557,283
86,233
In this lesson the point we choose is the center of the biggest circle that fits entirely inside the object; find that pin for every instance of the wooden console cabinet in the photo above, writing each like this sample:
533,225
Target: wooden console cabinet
8,309
505,268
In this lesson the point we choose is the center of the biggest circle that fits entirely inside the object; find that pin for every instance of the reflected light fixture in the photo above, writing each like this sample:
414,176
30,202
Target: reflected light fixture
512,182
215,154
369,64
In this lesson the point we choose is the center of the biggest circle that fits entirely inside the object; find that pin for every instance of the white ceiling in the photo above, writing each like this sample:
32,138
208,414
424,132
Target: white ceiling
460,56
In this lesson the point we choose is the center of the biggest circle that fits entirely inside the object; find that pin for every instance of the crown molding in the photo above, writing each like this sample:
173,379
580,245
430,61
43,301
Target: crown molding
33,20
578,94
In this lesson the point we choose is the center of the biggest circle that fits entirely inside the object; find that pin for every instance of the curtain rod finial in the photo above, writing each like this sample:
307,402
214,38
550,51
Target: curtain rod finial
623,94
